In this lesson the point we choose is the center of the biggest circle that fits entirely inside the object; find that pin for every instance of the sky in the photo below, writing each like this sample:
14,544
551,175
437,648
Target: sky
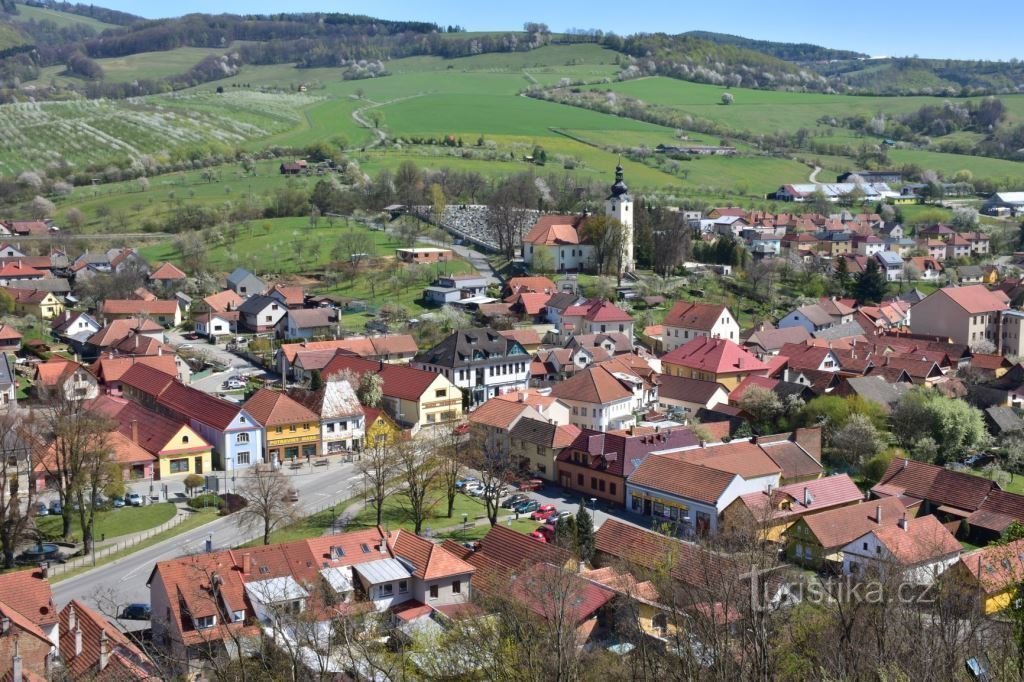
927,28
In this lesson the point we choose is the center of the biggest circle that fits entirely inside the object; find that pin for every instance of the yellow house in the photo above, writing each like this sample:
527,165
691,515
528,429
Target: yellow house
44,305
770,513
992,573
710,359
381,430
291,430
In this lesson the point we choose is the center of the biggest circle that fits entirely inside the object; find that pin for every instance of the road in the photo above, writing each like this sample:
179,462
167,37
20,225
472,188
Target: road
217,354
124,581
813,177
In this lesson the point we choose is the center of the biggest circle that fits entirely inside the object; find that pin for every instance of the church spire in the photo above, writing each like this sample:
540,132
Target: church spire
619,188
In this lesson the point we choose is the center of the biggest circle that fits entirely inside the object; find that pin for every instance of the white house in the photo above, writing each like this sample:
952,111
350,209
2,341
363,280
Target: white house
342,420
689,320
480,361
920,548
603,400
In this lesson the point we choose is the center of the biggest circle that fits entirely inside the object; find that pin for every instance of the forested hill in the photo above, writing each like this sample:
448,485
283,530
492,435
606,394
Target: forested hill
791,52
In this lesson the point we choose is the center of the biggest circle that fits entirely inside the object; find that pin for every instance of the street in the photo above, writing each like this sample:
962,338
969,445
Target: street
124,580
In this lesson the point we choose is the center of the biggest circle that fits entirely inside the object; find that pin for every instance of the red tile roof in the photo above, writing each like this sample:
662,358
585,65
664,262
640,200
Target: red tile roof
533,284
689,315
736,457
803,498
996,567
9,333
555,229
400,381
716,356
274,408
29,593
923,539
595,385
108,369
673,475
154,431
223,301
936,484
168,272
837,527
125,660
499,413
600,310
976,298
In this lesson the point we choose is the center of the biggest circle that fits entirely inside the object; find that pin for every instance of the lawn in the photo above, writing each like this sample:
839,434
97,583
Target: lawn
114,523
479,530
311,526
396,515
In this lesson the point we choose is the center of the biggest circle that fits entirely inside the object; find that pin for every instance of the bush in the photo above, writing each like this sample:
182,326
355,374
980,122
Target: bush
230,503
193,482
206,500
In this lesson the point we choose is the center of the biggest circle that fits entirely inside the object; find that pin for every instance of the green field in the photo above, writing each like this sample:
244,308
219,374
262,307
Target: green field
115,522
150,65
61,19
10,37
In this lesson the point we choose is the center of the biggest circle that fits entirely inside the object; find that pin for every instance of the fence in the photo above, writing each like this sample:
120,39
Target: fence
128,541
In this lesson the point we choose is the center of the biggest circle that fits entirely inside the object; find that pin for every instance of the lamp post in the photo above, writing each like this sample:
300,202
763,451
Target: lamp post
593,510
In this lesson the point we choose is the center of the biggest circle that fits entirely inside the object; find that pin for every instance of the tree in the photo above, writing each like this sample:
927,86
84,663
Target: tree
192,483
74,218
842,276
409,184
438,202
951,422
316,380
727,98
763,406
509,211
370,390
417,471
487,454
820,203
607,235
377,465
268,495
543,261
41,207
450,444
856,441
584,532
870,285
16,505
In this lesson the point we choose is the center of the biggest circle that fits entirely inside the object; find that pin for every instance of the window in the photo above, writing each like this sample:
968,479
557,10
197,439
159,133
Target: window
179,466
433,591
205,622
242,458
878,549
611,488
441,393
593,483
184,440
456,587
600,485
292,428
865,545
279,429
365,547
403,587
579,480
330,428
387,589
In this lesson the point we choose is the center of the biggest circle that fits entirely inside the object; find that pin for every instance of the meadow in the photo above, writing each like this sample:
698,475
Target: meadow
61,19
150,65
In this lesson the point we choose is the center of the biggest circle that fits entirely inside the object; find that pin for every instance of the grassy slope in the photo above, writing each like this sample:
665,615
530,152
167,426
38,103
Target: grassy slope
152,65
62,19
10,36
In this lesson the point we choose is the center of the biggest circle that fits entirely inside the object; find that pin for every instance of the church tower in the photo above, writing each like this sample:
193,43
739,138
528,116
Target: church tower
619,205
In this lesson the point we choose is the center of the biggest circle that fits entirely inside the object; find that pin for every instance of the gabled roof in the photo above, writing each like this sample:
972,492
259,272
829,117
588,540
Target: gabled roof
555,229
835,528
512,550
499,413
689,315
938,485
29,593
686,480
544,433
774,339
686,389
430,561
110,369
225,300
113,306
168,272
335,399
803,498
291,295
463,347
619,453
996,567
311,318
400,381
922,539
975,299
154,431
274,408
254,305
716,356
599,310
594,385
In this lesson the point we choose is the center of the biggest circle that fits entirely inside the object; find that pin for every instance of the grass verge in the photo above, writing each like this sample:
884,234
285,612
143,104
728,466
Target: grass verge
114,522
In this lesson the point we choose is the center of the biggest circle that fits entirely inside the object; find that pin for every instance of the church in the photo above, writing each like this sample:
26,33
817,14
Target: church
562,235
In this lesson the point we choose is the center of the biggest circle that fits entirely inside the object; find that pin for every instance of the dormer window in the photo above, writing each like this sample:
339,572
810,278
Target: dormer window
204,622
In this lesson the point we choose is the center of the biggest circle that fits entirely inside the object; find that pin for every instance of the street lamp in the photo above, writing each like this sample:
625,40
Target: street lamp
593,510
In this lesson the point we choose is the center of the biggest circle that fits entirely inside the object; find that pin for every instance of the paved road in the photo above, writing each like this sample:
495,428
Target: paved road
124,581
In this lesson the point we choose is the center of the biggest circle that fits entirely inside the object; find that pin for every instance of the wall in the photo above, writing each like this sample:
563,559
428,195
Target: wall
568,477
445,596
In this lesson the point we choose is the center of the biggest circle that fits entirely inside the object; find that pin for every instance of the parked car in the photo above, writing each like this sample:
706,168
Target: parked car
136,612
233,384
118,502
555,518
463,482
99,502
544,512
511,500
185,346
538,536
134,499
526,506
42,510
56,508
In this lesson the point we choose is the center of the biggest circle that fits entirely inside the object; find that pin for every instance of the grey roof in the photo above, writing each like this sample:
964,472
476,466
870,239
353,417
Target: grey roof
240,275
815,313
534,431
339,578
890,258
464,347
307,318
254,304
970,271
562,301
6,374
57,285
840,331
383,571
877,389
1005,419
686,389
774,339
275,590
913,296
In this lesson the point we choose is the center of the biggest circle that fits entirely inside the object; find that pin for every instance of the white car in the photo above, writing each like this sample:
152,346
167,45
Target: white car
134,499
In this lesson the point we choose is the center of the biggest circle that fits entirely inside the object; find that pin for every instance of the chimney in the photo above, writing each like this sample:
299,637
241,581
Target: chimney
44,569
807,497
16,674
902,523
383,546
159,351
104,650
135,431
78,640
878,514
246,564
72,618
381,365
770,486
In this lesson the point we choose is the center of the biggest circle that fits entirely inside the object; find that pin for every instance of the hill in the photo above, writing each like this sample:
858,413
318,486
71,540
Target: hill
11,38
61,19
791,52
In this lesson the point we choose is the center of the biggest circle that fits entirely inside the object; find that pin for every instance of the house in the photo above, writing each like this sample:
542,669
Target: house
215,325
597,464
310,322
492,422
8,250
8,385
815,317
140,336
534,445
203,603
766,342
892,265
10,339
958,247
817,541
969,274
991,574
598,316
768,513
964,315
342,421
245,284
707,359
74,328
293,297
236,437
918,550
691,488
41,304
602,399
381,430
109,369
16,271
874,388
410,396
167,276
291,430
480,362
133,461
166,313
688,320
177,447
92,648
424,254
30,643
218,303
558,304
527,337
533,284
395,348
260,314
688,396
66,377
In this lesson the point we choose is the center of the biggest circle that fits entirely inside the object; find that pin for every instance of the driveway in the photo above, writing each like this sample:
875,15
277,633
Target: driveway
216,354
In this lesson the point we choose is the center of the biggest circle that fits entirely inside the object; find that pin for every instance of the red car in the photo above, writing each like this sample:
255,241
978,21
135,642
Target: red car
544,512
538,536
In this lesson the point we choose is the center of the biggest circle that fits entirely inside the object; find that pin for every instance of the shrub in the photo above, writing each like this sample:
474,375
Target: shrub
193,482
230,503
206,500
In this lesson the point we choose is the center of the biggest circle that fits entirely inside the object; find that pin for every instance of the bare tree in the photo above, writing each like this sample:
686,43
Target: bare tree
377,465
269,498
16,506
418,471
509,211
450,445
487,454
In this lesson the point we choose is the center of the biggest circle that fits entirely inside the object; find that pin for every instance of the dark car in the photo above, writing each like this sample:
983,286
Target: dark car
513,500
526,506
136,612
